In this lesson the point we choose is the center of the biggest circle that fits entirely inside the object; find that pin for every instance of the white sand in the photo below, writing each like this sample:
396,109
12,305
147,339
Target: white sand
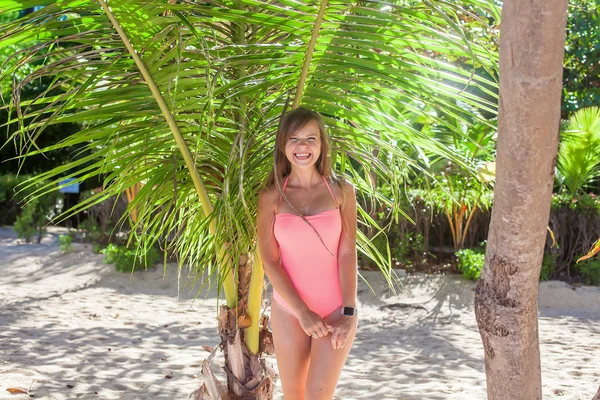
73,328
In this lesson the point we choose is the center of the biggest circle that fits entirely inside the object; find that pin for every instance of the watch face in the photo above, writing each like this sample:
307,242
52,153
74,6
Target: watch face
348,311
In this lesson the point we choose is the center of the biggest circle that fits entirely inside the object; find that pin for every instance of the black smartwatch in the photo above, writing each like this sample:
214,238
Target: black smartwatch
348,311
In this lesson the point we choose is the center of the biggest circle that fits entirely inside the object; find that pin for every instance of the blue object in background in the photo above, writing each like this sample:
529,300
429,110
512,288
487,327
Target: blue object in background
73,188
29,10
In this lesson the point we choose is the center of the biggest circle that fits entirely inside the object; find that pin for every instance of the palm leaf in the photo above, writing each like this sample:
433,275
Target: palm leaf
578,163
373,62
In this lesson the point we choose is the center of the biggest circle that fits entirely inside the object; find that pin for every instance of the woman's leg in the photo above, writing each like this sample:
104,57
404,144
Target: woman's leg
292,351
326,364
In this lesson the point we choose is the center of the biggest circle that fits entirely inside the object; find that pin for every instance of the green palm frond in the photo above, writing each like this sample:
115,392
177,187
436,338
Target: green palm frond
578,163
225,71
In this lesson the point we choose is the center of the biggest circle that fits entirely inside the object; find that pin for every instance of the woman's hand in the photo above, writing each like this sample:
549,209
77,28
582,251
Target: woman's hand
313,325
340,331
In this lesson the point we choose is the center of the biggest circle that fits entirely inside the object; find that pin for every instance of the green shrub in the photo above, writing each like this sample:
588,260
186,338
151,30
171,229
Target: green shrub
36,214
470,263
97,248
125,259
65,243
9,200
590,271
403,250
8,182
91,230
583,203
24,225
481,247
578,159
548,266
110,252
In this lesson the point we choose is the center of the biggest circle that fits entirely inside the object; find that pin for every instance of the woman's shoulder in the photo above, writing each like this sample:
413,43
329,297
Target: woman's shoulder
342,188
268,196
343,184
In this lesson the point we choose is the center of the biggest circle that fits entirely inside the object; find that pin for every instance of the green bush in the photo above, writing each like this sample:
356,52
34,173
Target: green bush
97,248
125,259
37,213
24,225
403,250
581,56
8,184
91,230
470,263
65,243
548,266
481,247
9,201
590,271
583,203
110,252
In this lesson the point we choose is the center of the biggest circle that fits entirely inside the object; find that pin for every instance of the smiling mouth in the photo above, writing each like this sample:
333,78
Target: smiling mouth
302,156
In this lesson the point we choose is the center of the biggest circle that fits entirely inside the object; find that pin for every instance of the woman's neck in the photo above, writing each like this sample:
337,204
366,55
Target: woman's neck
305,178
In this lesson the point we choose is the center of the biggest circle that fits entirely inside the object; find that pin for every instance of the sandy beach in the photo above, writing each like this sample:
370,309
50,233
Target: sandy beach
73,328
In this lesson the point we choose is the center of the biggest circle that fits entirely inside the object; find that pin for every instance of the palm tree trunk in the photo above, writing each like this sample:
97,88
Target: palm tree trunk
244,334
531,58
309,54
248,376
229,281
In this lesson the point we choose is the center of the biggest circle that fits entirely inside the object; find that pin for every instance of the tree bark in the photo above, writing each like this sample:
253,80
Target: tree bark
248,376
531,63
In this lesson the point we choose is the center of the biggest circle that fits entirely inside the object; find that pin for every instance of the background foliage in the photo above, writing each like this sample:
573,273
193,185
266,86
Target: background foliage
417,148
581,74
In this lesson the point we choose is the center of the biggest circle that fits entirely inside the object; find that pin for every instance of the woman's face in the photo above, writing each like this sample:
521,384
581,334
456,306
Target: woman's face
303,147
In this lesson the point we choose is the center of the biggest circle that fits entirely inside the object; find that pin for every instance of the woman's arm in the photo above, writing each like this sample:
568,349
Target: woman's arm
347,248
310,321
347,267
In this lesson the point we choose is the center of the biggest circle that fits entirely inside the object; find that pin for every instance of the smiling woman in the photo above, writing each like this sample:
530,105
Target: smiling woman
308,247
183,96
304,143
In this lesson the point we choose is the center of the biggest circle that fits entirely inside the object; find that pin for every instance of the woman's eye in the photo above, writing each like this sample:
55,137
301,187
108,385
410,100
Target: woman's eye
312,139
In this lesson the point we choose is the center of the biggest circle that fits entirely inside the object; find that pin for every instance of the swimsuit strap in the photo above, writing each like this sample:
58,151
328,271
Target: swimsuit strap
281,195
332,196
326,184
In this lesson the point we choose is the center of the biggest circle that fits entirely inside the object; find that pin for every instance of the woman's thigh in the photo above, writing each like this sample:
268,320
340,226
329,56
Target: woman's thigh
292,351
326,365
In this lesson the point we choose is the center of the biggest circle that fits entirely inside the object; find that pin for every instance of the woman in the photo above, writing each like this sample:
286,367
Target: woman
307,238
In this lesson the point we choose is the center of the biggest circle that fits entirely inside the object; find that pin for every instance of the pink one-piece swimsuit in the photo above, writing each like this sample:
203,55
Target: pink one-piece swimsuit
312,265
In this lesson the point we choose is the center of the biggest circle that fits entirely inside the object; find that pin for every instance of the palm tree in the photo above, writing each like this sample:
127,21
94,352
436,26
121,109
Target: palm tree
184,98
506,300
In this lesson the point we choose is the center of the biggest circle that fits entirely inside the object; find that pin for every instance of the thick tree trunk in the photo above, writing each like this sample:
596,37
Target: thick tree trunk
531,58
